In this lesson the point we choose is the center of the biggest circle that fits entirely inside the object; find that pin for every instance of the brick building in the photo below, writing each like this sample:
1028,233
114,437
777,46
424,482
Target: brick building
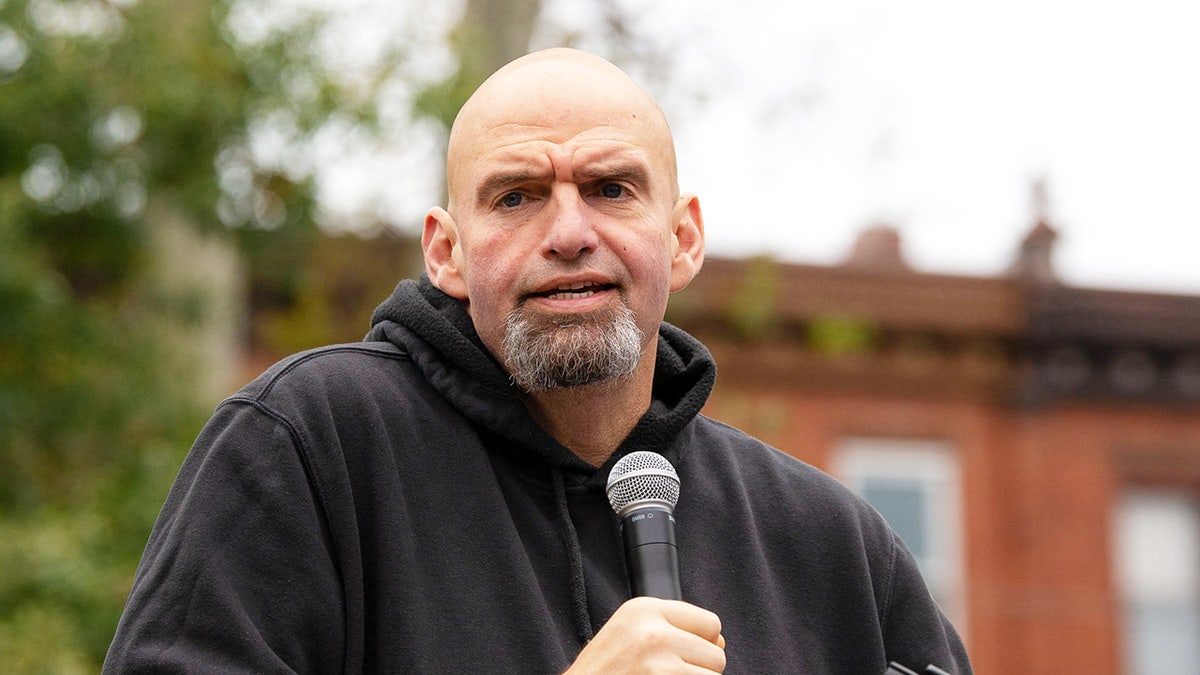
1036,445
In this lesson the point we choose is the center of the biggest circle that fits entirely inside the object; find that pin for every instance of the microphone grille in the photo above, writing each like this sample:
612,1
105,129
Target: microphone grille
642,476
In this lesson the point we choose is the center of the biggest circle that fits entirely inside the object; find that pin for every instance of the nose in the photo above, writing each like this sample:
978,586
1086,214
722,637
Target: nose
571,232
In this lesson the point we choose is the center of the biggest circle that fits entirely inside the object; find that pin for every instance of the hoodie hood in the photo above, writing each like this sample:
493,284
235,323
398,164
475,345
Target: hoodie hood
437,332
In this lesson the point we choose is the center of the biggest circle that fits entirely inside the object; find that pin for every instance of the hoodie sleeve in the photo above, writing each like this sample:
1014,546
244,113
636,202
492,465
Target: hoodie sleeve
239,573
916,633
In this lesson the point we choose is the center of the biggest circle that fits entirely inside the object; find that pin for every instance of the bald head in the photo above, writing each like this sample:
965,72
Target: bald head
556,95
565,210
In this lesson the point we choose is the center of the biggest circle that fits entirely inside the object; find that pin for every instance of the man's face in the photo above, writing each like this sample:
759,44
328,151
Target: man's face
563,209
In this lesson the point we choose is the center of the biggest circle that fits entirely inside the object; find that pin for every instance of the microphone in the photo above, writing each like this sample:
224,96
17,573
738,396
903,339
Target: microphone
643,489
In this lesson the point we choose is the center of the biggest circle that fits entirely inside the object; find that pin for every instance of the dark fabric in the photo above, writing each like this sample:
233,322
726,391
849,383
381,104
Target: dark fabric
389,506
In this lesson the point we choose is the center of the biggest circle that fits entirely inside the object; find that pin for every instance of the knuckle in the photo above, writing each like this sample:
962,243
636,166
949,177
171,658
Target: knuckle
657,636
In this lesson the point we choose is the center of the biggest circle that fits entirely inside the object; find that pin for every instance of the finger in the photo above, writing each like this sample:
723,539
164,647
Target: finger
699,652
693,619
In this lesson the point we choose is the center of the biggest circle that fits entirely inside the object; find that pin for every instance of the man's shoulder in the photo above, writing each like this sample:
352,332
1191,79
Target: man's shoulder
730,444
328,364
336,397
329,375
763,469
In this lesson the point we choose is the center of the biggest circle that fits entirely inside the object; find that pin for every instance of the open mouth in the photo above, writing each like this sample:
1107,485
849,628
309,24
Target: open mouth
581,289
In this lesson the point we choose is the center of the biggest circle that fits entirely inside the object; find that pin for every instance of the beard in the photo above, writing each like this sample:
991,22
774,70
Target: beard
549,352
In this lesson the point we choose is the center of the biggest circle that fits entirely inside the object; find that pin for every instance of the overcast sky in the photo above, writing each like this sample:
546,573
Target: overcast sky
936,116
801,122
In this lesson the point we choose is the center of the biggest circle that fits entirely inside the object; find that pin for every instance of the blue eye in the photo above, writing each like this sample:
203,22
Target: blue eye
512,200
612,191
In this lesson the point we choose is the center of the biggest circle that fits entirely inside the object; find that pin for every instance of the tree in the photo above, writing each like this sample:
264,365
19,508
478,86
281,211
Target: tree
156,165
124,127
489,34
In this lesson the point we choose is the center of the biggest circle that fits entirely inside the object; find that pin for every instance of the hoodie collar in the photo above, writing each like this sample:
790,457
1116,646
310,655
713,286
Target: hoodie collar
437,332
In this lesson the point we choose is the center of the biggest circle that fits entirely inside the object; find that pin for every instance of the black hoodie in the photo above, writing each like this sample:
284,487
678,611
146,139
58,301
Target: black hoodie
390,506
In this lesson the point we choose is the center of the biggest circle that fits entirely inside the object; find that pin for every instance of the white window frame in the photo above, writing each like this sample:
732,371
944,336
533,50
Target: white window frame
934,466
1156,567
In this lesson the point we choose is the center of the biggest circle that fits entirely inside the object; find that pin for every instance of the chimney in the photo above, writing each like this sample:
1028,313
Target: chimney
1035,257
878,250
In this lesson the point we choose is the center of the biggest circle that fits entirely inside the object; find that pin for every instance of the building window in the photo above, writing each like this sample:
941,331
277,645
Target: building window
916,485
1157,565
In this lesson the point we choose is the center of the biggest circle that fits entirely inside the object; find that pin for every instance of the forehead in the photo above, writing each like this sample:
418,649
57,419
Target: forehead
562,149
587,113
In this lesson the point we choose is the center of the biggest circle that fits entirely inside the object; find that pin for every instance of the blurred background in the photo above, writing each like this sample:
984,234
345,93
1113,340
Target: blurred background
950,262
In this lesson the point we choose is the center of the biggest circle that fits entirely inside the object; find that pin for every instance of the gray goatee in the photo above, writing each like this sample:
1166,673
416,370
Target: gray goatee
548,352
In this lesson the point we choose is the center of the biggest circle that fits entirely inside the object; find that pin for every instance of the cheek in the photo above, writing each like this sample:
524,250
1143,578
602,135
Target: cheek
489,281
488,317
490,269
650,261
651,270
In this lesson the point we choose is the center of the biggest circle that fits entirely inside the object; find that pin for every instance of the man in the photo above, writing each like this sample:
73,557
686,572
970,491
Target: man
431,499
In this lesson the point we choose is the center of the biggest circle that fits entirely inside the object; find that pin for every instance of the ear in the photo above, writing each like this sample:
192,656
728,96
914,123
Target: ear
688,240
443,253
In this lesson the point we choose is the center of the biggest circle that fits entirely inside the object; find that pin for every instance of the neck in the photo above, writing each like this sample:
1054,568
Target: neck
593,420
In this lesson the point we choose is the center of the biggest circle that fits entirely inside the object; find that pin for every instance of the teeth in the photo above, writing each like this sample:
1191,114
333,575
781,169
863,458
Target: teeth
563,295
580,289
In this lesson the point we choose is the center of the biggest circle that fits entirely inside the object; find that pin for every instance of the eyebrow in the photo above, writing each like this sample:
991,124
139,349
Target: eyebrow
499,181
502,180
629,172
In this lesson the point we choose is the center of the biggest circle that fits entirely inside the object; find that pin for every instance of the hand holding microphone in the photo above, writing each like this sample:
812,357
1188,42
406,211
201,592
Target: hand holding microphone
651,635
655,632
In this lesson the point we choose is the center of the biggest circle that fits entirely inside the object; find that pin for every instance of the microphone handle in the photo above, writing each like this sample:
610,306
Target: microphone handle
651,556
